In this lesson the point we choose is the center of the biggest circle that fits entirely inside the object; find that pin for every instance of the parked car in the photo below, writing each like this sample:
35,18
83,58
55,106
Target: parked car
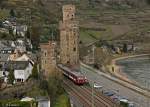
109,93
115,98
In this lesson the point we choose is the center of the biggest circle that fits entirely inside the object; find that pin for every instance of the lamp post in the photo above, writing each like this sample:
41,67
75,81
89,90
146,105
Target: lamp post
148,97
147,87
93,49
94,85
92,94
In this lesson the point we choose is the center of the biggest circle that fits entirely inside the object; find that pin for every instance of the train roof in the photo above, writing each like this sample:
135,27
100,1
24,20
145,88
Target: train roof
72,71
77,73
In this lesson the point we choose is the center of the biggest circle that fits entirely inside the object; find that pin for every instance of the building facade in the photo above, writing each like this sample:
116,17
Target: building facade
48,57
23,71
69,36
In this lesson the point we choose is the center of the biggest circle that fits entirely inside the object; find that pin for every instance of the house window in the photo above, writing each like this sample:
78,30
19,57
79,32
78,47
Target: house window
4,74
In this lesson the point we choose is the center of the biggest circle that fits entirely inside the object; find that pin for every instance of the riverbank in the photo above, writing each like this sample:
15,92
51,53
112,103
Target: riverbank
106,77
116,70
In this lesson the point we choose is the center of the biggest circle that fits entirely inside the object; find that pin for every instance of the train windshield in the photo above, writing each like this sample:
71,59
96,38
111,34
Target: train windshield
81,77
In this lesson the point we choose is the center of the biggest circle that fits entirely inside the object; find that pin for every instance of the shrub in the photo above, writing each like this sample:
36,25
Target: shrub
35,72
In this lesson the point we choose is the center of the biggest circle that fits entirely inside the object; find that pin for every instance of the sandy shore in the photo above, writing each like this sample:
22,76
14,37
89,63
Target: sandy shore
117,71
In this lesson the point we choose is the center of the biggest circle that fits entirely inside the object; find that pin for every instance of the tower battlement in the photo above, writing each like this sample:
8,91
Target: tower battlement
68,12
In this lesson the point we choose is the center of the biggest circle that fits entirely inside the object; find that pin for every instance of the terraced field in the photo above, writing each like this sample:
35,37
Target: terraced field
99,19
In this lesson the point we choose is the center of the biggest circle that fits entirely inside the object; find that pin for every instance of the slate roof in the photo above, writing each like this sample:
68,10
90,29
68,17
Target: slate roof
7,49
42,98
4,43
17,65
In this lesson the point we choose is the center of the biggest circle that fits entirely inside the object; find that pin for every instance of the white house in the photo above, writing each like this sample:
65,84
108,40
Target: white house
20,45
22,70
22,66
20,30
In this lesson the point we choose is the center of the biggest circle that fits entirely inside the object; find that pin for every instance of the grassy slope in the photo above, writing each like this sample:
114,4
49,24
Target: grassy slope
36,91
62,101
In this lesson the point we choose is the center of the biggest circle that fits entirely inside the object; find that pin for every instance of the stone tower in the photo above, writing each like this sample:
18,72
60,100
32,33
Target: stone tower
69,36
48,57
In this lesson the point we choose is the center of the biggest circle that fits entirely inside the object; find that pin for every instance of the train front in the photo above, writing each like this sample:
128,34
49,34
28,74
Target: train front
81,80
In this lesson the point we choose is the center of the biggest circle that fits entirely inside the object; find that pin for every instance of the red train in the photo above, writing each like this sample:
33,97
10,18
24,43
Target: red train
74,75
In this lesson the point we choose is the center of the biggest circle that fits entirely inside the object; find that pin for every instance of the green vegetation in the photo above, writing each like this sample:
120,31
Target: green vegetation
36,91
4,13
125,49
12,13
53,86
35,74
85,37
11,76
62,101
11,103
91,35
148,1
40,15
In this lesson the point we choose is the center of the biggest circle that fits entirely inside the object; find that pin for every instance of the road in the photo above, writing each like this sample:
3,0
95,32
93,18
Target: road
139,99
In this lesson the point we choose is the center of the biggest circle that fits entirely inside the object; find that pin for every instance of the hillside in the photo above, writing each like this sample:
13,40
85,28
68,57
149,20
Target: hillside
111,20
99,19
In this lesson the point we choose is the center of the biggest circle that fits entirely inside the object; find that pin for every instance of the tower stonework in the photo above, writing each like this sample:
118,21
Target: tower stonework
69,36
48,57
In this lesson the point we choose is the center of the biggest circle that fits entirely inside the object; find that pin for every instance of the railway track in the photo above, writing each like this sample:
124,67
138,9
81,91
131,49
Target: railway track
76,93
100,97
84,93
97,101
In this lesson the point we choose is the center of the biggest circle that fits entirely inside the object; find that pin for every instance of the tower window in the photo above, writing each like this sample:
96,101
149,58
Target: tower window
72,16
74,49
68,62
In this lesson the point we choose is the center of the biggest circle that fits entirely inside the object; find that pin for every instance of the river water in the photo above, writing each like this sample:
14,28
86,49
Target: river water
137,69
